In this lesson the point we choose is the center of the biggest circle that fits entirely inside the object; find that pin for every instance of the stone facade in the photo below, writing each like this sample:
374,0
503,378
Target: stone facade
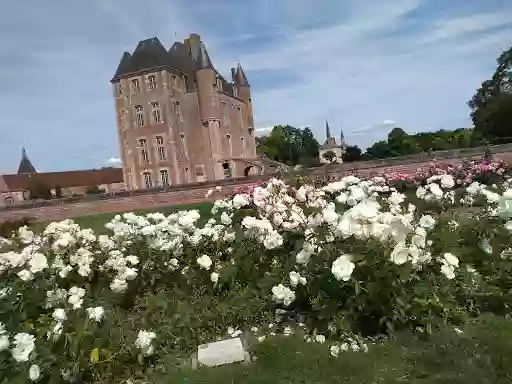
178,120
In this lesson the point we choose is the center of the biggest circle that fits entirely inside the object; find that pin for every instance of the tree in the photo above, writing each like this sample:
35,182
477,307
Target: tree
491,106
352,153
330,156
38,190
289,145
399,143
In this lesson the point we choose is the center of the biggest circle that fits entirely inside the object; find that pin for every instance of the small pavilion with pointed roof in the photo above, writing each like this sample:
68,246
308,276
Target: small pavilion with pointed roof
330,145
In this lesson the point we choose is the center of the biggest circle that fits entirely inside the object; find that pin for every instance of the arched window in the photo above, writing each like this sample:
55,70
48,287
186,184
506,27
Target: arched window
144,151
139,115
160,148
164,177
147,180
155,112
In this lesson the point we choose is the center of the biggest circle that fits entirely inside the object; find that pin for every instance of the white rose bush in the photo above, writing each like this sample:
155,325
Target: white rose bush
351,256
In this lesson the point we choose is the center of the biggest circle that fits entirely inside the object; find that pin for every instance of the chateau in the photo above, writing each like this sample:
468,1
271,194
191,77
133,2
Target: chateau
179,120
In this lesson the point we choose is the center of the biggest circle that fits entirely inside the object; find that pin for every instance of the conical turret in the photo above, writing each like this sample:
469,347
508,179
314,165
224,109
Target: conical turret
241,79
327,130
25,164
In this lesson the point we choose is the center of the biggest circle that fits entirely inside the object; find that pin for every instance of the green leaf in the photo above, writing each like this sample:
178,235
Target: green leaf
95,355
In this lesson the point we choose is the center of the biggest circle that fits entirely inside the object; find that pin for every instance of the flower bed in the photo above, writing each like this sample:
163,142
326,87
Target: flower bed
351,259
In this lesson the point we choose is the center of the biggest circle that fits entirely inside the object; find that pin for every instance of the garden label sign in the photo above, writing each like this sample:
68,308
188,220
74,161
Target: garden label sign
221,352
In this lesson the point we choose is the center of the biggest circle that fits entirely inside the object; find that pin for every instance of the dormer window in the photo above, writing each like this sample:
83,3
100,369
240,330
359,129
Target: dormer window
219,83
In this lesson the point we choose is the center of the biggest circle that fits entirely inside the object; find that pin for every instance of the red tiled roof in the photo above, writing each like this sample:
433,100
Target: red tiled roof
66,179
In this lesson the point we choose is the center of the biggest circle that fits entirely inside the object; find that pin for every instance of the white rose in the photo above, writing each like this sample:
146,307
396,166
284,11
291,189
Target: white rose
59,315
34,372
436,190
447,181
342,268
95,313
427,222
205,262
448,271
38,263
214,277
400,254
451,259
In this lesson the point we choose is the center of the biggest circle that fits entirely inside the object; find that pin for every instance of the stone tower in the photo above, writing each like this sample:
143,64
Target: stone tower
179,121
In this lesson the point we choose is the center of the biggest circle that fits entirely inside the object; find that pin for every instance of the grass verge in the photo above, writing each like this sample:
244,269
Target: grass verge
482,354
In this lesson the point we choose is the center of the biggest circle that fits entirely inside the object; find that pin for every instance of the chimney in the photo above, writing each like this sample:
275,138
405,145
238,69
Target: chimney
194,45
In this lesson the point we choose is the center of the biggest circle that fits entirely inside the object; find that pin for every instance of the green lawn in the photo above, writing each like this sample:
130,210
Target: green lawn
481,355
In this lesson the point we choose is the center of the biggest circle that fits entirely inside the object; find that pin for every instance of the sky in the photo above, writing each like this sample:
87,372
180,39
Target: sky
366,65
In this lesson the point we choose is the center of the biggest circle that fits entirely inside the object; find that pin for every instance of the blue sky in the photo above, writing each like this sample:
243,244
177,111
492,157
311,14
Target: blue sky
365,64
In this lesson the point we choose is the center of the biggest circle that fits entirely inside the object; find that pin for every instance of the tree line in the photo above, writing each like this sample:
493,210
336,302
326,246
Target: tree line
491,113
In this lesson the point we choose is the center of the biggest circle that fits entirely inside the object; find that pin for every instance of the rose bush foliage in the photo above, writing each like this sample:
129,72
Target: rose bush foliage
352,256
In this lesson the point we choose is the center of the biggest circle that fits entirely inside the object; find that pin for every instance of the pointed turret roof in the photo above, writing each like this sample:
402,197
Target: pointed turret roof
330,142
342,137
203,60
240,76
124,65
25,164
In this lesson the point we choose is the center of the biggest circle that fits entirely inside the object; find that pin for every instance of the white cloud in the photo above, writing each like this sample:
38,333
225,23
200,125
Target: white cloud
263,131
358,62
114,162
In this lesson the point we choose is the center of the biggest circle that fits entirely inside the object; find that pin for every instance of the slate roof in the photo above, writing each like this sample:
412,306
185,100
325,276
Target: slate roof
240,76
151,54
25,164
330,143
68,179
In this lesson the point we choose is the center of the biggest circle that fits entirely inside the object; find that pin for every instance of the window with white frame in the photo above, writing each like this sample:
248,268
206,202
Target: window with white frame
160,148
164,177
155,112
144,151
152,82
219,83
139,115
148,182
135,85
